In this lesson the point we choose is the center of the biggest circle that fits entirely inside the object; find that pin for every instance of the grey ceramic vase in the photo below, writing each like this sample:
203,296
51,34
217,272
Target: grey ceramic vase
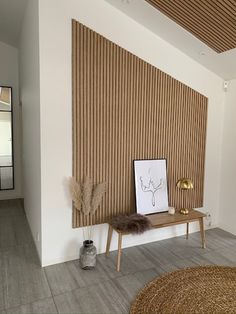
88,254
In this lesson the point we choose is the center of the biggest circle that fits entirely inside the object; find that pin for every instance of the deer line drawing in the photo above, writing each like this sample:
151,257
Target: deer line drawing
151,188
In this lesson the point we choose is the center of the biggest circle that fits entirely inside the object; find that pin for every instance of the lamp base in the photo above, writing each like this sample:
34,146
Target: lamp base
184,211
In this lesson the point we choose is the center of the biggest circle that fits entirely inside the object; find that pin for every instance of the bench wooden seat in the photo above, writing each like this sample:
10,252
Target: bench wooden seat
159,221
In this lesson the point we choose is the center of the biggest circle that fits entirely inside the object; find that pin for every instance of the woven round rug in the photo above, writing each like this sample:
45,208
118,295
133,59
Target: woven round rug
204,289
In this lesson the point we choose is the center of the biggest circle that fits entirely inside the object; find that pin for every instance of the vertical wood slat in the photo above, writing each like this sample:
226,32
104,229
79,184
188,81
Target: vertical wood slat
74,110
126,109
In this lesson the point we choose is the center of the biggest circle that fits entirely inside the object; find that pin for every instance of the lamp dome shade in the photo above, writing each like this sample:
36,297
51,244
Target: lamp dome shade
185,184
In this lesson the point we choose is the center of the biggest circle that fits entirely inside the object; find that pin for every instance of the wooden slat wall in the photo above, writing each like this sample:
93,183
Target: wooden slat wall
126,109
211,21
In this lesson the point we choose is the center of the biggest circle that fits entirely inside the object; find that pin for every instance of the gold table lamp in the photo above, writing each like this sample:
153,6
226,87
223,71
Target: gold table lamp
184,184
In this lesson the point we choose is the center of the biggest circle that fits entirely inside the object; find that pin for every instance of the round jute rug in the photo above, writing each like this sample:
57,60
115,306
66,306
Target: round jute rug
204,289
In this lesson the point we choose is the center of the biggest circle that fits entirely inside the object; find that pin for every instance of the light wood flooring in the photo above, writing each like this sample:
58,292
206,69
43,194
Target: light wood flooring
26,288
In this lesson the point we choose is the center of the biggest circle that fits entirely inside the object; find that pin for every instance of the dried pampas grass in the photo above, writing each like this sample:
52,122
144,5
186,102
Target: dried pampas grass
86,196
98,193
76,193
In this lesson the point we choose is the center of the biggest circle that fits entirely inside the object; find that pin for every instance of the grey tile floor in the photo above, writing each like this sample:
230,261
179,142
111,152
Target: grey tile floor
26,288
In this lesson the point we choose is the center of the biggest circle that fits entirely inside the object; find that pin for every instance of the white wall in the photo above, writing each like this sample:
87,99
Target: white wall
9,77
227,219
30,98
59,241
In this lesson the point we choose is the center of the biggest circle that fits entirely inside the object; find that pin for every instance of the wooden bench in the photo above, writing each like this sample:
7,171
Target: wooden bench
160,221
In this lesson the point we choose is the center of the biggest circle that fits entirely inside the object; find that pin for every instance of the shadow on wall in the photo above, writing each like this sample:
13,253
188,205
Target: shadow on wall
72,247
65,183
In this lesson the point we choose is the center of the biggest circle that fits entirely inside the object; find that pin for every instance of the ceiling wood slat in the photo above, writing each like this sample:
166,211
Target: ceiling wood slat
200,27
211,21
218,19
190,23
201,20
228,14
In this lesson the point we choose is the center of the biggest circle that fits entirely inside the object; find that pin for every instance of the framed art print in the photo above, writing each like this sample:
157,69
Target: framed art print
151,186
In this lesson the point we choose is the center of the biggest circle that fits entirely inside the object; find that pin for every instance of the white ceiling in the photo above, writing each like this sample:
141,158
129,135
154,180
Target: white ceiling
11,15
223,64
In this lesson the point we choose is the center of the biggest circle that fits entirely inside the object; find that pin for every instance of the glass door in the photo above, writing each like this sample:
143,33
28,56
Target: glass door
6,143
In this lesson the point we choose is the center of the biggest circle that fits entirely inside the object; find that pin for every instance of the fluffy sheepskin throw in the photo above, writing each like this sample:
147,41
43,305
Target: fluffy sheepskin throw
134,223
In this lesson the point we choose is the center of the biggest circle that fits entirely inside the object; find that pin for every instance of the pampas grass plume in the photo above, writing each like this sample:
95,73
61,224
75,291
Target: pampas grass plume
76,193
87,195
98,193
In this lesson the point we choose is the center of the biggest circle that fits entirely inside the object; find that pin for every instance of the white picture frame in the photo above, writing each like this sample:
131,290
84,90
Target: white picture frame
151,186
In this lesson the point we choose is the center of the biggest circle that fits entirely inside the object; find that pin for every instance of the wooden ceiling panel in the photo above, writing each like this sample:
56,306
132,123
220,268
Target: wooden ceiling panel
211,21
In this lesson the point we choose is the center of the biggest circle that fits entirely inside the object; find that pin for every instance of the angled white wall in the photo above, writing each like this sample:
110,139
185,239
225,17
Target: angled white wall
9,76
227,219
30,98
59,241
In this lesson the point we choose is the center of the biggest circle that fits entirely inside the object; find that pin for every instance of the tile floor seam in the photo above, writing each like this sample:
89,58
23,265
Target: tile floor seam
181,258
203,253
27,303
197,255
24,304
52,296
192,257
6,308
102,281
83,287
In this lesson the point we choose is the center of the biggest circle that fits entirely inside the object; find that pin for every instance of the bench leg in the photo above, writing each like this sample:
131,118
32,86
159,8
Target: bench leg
119,251
187,230
201,224
109,236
